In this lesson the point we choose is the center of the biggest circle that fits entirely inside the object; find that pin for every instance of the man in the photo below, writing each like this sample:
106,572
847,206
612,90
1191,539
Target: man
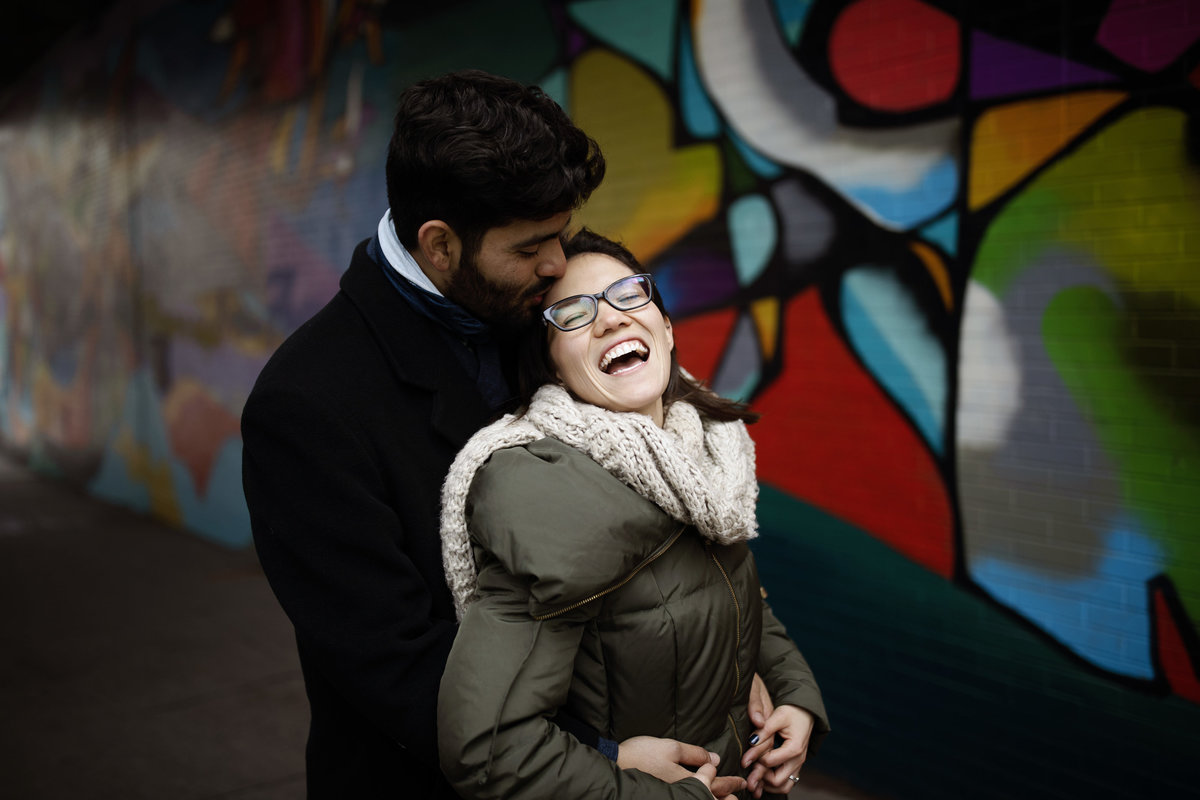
353,423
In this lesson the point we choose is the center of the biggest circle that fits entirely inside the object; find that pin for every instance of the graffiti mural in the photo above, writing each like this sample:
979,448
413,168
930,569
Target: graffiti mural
946,249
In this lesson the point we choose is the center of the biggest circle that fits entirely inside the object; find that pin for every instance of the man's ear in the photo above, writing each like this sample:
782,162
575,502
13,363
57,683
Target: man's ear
439,244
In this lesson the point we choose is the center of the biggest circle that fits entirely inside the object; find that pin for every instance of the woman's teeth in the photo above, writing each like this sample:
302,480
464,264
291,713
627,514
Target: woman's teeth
623,349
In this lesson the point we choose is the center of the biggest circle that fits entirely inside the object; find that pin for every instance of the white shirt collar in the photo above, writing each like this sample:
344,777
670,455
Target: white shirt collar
400,259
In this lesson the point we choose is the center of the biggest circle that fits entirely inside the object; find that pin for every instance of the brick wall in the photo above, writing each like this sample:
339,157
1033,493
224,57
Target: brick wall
947,249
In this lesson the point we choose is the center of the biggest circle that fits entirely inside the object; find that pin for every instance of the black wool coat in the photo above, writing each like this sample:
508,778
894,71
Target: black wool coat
348,434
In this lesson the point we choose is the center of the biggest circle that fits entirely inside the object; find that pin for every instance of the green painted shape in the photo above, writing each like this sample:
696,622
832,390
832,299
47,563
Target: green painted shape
644,30
738,176
1159,462
1126,196
515,38
905,658
555,86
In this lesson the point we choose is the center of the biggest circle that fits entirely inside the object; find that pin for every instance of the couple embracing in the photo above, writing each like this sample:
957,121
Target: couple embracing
509,529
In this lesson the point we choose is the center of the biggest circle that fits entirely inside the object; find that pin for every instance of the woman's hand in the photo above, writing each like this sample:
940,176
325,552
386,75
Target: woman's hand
708,776
667,760
775,766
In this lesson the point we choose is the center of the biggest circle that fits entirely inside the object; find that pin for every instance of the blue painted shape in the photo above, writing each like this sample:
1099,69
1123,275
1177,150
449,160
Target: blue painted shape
176,56
752,235
114,483
221,515
908,208
944,233
792,15
700,116
555,86
891,335
1105,617
756,161
64,363
141,420
642,29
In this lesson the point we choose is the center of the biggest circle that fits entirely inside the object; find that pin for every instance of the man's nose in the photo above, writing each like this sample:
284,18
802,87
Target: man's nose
555,262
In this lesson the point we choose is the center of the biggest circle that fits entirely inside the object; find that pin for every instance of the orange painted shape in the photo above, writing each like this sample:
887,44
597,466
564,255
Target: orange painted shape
700,341
829,436
1010,142
937,270
197,428
1177,664
766,320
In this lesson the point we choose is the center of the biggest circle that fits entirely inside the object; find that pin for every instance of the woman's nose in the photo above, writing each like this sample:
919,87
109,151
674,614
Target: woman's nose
608,318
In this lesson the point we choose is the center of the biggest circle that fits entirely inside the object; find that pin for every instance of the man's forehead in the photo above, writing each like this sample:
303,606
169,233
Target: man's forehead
528,232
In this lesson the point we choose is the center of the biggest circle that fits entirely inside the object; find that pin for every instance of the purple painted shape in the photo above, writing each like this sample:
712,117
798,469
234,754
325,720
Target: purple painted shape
1000,67
299,280
1150,34
575,43
692,280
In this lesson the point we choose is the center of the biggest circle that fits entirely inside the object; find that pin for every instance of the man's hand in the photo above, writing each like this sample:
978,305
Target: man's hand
667,760
774,766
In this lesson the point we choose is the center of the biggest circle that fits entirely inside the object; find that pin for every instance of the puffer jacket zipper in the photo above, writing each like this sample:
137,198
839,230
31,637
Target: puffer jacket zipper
737,669
664,547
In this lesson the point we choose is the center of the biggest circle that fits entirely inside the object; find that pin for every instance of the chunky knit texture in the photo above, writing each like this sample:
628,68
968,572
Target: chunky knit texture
699,471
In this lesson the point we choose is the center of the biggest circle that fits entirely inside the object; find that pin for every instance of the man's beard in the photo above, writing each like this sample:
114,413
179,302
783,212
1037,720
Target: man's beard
496,304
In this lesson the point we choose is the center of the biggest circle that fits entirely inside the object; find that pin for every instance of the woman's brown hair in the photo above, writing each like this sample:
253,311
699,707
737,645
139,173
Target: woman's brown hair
535,369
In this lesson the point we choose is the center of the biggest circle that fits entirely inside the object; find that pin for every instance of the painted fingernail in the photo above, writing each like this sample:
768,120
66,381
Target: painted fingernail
753,739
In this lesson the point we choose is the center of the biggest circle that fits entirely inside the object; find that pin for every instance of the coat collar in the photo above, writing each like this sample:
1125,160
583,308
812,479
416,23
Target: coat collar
416,350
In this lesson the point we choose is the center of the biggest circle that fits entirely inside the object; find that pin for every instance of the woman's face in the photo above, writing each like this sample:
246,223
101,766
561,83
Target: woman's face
640,340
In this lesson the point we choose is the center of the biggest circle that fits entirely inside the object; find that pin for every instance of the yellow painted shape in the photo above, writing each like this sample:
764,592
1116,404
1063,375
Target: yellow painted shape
277,154
153,474
1010,142
653,192
937,270
766,319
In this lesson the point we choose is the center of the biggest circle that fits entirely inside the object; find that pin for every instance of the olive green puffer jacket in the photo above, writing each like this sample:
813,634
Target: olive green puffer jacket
592,599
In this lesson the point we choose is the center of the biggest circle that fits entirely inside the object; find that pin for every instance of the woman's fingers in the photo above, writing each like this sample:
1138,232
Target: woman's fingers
779,780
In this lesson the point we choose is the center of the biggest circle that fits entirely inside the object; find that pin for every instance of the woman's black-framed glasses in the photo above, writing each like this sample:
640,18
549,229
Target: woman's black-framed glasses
577,311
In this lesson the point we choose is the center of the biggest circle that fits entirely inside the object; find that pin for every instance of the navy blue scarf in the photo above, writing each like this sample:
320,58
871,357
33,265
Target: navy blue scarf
471,339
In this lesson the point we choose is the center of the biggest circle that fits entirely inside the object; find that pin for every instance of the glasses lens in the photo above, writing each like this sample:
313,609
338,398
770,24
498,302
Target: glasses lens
629,293
574,312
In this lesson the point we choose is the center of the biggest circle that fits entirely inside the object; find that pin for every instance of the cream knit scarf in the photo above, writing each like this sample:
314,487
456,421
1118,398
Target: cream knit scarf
700,472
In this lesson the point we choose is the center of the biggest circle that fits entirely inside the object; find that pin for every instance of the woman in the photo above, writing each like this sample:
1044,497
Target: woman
596,547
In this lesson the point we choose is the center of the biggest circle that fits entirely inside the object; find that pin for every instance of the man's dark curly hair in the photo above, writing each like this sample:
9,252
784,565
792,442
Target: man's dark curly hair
479,151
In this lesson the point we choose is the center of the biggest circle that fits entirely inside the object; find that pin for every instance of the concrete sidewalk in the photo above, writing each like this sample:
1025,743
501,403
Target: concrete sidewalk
140,661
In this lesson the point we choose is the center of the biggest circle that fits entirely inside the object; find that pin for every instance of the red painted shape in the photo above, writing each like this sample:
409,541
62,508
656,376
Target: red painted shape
197,428
829,436
1177,664
895,55
700,341
1150,35
1195,77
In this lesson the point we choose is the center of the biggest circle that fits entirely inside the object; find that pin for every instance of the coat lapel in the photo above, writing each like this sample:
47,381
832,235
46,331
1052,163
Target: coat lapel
418,354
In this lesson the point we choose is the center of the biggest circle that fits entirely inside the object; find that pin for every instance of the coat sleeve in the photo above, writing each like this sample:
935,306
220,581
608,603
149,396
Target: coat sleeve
507,675
788,677
332,549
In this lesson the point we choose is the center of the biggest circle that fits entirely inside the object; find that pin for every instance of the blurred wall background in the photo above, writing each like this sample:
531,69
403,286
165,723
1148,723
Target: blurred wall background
950,250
